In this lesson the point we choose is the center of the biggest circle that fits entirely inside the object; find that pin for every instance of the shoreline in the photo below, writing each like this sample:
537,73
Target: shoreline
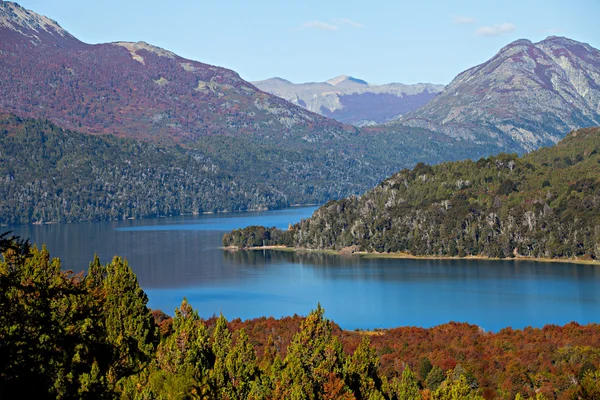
408,256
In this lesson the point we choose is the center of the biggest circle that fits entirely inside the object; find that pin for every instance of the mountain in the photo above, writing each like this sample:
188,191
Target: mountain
250,149
351,100
135,89
526,96
545,204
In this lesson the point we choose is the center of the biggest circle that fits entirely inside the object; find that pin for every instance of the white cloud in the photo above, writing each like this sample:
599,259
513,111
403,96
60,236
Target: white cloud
495,30
463,20
320,25
348,22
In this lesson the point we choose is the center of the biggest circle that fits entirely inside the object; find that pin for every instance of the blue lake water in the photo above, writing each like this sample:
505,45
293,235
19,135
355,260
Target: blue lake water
177,257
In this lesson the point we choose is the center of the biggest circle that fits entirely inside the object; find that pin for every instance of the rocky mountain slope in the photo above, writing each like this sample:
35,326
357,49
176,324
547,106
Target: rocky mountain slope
135,89
528,95
544,204
351,100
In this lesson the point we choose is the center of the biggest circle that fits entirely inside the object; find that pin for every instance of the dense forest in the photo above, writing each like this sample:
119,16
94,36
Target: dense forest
49,174
73,336
545,204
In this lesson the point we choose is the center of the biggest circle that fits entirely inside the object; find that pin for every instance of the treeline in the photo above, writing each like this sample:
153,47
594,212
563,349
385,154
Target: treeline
544,204
74,336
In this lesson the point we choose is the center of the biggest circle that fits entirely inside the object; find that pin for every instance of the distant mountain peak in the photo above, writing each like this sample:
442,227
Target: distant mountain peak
345,78
559,39
28,23
351,100
277,80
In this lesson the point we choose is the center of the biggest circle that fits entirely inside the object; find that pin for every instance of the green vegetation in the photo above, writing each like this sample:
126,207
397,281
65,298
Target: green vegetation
69,336
49,174
545,204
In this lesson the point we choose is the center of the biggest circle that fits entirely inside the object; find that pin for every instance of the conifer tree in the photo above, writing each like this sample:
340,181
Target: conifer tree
242,366
361,370
313,355
130,329
221,346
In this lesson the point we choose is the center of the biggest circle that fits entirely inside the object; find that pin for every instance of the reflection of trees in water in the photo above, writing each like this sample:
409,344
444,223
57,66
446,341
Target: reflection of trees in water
262,257
416,270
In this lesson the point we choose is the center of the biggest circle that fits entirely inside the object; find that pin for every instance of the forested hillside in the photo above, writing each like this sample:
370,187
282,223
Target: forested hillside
93,337
544,204
50,174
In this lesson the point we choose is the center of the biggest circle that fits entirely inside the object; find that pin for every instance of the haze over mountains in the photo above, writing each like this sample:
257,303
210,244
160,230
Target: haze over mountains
528,95
351,100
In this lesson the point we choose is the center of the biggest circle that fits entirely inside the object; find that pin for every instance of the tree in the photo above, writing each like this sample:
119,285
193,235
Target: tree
221,346
312,356
457,389
130,329
409,387
242,366
435,378
361,370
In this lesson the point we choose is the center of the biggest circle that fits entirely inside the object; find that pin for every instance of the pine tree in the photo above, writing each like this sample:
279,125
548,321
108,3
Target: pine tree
242,366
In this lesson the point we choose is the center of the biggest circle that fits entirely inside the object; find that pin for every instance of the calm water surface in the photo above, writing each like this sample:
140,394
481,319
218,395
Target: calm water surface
177,257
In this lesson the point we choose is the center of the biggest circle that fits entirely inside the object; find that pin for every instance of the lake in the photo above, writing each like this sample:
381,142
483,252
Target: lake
180,256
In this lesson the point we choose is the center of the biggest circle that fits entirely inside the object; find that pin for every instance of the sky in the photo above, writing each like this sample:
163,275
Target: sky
380,41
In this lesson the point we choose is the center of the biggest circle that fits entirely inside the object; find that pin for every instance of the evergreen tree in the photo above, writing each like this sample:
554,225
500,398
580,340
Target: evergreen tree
130,329
221,346
242,366
361,370
313,354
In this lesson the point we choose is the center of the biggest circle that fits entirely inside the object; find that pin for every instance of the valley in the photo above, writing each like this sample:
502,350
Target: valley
175,217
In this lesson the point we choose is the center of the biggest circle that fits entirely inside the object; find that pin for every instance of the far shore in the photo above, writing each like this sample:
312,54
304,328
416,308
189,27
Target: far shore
402,255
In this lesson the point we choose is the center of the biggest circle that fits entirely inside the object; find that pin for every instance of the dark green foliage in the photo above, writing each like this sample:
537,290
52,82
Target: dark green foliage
49,174
255,236
52,341
507,187
498,207
130,329
435,378
424,368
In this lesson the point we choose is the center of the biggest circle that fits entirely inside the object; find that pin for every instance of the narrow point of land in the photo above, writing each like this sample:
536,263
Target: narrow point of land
404,255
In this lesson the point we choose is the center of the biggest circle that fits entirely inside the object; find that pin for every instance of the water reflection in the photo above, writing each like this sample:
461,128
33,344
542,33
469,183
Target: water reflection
177,257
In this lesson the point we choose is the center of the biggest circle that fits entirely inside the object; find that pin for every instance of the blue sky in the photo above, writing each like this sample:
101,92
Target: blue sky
379,41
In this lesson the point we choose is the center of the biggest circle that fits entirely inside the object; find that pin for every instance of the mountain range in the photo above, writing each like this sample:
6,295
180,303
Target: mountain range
351,100
135,89
272,152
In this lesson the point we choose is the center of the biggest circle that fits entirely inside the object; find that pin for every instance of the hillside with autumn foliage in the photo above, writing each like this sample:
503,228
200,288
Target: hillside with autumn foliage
93,337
